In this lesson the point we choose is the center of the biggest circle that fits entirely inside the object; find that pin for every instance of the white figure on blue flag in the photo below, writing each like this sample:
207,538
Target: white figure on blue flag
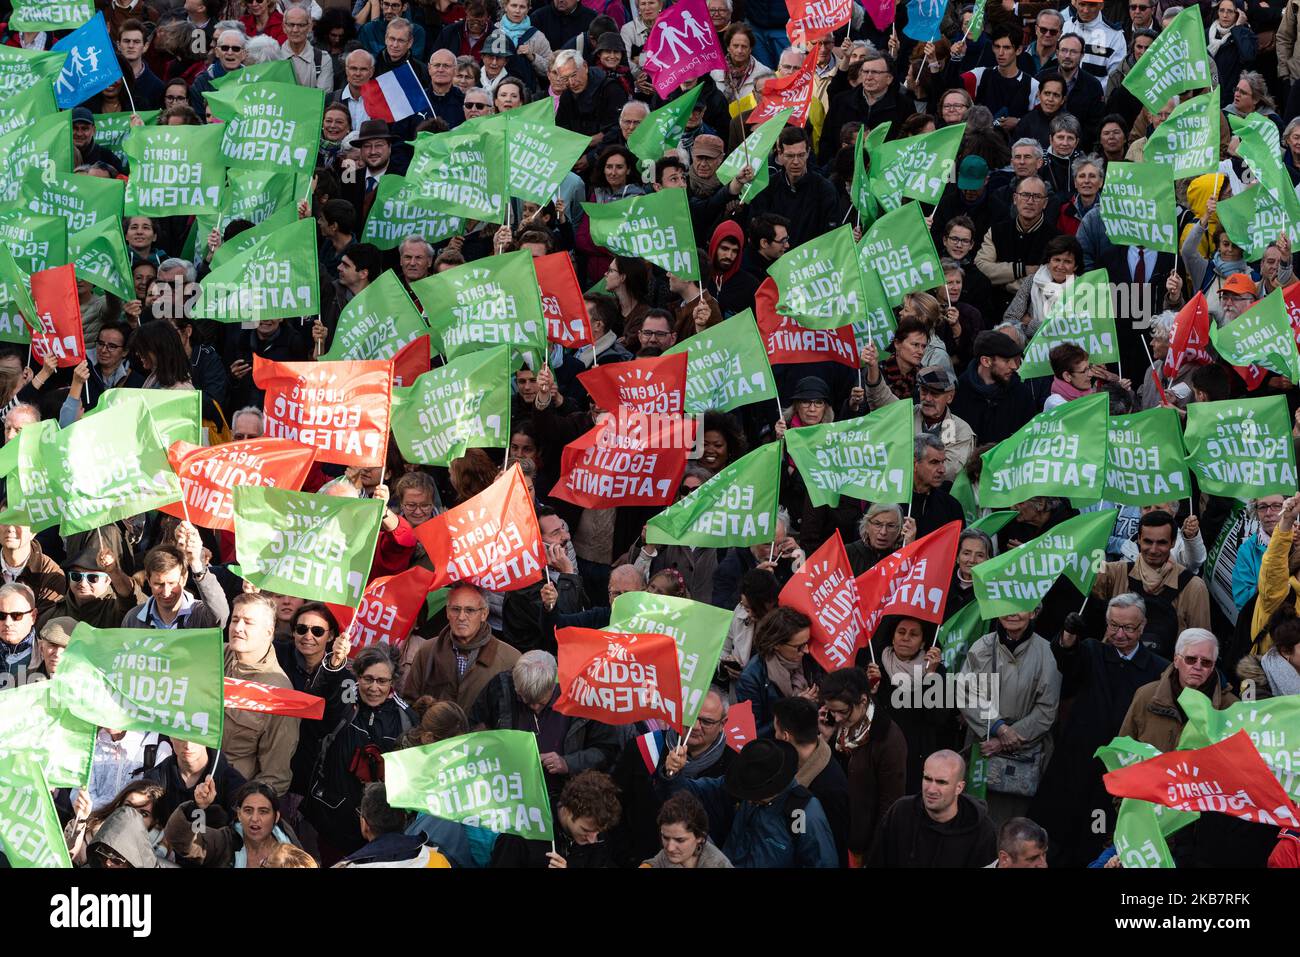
91,65
923,17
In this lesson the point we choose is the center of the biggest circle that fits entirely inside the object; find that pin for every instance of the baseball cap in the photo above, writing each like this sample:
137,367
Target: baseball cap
973,173
1241,284
81,114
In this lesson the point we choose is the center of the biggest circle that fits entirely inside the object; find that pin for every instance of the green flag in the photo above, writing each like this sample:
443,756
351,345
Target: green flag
37,242
864,200
958,633
79,200
43,145
393,217
111,130
30,835
462,405
33,498
273,126
977,767
1241,448
278,278
377,323
1138,840
256,195
487,779
753,153
460,173
34,16
488,302
31,724
736,507
1137,206
232,247
175,170
1273,725
1261,336
819,282
975,29
108,466
1061,452
1018,579
726,366
878,325
1189,140
992,523
317,547
915,167
662,130
177,414
19,312
272,71
868,458
1121,752
1260,142
964,493
1254,218
102,259
1145,463
26,106
899,251
1084,316
146,679
1177,61
22,69
698,629
538,156
656,227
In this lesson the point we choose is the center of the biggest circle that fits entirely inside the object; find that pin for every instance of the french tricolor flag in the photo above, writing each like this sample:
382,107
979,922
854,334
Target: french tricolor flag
651,746
395,95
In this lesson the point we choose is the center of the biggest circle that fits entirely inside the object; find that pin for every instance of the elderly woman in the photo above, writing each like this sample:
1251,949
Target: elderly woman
1087,174
523,699
953,106
1251,95
245,842
780,666
882,531
1013,728
973,548
1154,716
684,834
743,74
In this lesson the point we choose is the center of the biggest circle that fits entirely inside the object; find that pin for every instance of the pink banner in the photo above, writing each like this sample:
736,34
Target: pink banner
681,46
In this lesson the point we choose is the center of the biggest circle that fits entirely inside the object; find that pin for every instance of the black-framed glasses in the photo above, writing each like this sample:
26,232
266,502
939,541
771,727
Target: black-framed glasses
228,48
101,344
316,631
93,578
14,615
375,680
708,722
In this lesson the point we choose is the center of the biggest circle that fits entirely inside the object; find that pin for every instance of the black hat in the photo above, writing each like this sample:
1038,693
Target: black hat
374,130
87,558
989,343
763,769
810,388
610,42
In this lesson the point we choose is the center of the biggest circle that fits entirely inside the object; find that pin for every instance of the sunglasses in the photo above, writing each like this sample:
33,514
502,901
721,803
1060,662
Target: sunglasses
93,578
316,631
1197,660
227,48
14,615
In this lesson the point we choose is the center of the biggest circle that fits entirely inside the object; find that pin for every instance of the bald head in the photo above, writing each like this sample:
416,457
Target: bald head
623,579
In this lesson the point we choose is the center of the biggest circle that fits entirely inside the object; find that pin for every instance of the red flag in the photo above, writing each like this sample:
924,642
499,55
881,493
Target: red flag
787,341
58,309
389,608
491,541
562,304
740,728
626,460
210,474
1229,777
824,589
653,386
338,408
1252,375
1190,341
1291,296
412,361
682,44
241,695
618,678
788,92
913,581
810,20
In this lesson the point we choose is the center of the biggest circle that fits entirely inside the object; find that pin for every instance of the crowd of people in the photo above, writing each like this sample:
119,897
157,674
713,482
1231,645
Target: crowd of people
1195,594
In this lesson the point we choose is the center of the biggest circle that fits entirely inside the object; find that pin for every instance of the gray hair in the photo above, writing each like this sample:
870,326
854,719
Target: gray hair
783,518
1171,12
1192,636
926,440
1258,89
567,58
620,569
535,674
365,53
25,407
262,49
1088,159
1050,13
482,90
250,410
18,588
1066,122
224,26
948,264
715,691
979,117
639,105
301,7
730,8
415,238
1030,143
1012,329
979,536
1020,830
697,471
1128,599
877,509
182,264
401,23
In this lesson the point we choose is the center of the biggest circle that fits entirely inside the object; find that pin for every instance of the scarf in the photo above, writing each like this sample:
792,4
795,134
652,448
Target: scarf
515,31
1283,679
815,765
467,654
706,759
700,186
1216,38
1224,268
1066,391
788,676
893,665
1044,293
850,739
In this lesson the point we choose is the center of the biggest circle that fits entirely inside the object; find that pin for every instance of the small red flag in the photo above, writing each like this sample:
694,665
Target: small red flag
210,474
788,92
810,20
492,540
389,608
654,386
1190,341
787,341
242,695
338,408
58,309
640,465
1229,777
412,361
567,322
825,590
913,581
618,678
740,728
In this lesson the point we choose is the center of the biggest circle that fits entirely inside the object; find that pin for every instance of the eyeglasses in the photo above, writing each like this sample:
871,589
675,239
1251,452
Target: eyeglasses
1036,197
960,241
1269,507
654,334
372,680
228,48
316,631
476,106
1198,661
707,722
1049,31
14,615
884,526
101,344
417,508
801,647
1126,629
461,611
92,578
1139,6
175,98
782,241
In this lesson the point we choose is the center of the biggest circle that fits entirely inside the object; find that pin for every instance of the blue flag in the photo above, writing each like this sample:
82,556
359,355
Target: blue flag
91,65
923,18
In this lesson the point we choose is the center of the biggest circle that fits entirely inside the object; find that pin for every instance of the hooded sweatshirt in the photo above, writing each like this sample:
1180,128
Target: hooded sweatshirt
125,833
734,289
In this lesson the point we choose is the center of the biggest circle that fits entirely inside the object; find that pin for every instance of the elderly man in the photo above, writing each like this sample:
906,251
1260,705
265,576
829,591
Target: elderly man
940,827
1099,679
1021,843
399,49
446,98
231,54
932,505
415,257
18,652
373,36
936,388
1012,248
359,68
167,569
1040,55
591,100
258,745
459,663
705,753
312,66
1154,716
248,423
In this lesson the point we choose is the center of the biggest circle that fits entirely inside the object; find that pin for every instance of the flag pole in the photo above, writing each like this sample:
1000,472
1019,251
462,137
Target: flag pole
686,740
129,98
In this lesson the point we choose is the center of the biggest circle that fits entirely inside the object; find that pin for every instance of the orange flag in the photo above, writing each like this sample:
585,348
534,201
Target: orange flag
340,409
788,92
210,474
618,678
388,611
54,291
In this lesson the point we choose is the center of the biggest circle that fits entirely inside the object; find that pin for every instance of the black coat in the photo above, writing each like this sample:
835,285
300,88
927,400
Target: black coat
595,109
994,412
908,837
894,106
811,204
933,510
176,792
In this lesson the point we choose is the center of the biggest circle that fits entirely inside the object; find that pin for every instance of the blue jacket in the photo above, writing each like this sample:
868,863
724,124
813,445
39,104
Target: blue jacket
754,685
761,835
1245,573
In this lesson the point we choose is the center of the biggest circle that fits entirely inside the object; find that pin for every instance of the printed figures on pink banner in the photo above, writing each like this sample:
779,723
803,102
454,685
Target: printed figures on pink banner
681,46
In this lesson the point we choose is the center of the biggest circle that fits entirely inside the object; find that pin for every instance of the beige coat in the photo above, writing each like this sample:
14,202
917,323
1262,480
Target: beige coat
1028,689
260,746
1154,716
1192,604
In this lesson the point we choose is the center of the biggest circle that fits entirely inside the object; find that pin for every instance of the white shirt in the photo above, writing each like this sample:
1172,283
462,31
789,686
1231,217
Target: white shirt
356,106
